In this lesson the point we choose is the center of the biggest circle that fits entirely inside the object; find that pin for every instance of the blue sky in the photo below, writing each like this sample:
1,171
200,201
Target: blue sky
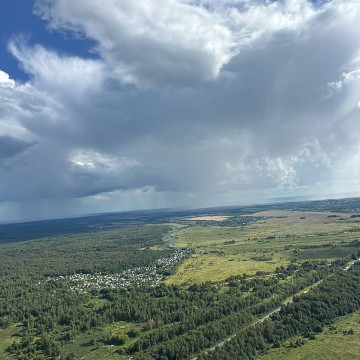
18,19
116,105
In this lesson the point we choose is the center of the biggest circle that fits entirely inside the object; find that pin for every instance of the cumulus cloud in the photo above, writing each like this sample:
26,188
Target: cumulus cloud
284,172
196,102
57,74
175,42
164,41
5,80
346,78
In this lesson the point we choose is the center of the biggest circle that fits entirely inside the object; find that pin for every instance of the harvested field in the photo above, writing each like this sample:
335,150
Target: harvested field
209,218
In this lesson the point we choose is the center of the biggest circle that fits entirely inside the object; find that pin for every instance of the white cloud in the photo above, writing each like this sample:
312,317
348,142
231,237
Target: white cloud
346,78
267,18
276,172
177,42
101,163
162,41
313,153
283,172
5,80
58,74
259,126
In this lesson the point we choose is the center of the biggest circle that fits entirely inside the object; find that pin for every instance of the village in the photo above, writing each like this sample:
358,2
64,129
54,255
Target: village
139,276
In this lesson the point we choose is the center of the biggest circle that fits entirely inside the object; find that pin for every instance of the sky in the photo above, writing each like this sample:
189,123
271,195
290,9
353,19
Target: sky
118,104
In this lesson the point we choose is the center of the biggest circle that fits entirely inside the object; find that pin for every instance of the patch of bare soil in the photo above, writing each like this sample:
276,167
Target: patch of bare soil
218,218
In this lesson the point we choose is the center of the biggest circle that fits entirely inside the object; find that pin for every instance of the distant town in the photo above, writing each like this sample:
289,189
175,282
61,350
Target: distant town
144,275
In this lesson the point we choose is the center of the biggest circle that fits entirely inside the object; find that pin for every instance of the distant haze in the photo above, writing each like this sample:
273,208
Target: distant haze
118,104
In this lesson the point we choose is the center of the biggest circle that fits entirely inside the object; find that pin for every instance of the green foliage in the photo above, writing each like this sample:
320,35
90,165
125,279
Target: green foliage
119,337
133,333
43,317
336,296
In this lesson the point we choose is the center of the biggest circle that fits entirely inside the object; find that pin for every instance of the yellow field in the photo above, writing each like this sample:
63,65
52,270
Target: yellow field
205,267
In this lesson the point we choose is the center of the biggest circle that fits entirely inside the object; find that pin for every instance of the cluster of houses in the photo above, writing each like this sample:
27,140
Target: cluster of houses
139,276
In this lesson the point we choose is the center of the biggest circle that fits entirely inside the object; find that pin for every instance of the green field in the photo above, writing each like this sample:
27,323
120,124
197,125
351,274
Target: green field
7,336
222,251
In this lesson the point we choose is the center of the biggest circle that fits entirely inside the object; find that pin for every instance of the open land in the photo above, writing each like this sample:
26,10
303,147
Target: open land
277,238
105,287
209,218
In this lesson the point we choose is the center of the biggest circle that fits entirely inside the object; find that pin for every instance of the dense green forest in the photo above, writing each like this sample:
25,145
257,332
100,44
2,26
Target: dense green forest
307,315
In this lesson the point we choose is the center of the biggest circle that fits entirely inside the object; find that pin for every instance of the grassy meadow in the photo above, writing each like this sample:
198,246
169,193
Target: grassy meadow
280,237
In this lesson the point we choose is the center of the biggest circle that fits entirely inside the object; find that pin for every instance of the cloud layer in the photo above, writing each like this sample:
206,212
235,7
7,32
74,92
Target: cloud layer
195,102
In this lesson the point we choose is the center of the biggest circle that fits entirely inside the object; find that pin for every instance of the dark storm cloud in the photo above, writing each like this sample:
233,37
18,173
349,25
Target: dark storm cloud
10,146
240,99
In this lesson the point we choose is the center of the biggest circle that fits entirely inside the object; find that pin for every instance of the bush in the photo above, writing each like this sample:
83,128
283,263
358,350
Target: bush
119,337
133,333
